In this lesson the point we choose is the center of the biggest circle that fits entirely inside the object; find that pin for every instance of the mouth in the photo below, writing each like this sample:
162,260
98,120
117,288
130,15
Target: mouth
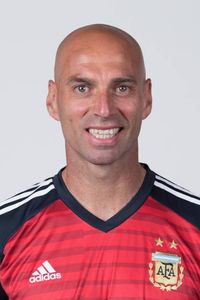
107,133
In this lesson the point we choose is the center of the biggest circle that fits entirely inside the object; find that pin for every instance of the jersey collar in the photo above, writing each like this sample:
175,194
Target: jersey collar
129,209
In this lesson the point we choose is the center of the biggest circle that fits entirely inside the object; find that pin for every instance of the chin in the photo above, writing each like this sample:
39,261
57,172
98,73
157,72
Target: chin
102,160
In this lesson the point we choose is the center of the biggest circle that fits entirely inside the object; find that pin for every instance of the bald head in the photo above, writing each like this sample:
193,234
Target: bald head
98,38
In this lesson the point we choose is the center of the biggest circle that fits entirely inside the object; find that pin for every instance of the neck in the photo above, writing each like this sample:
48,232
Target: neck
104,190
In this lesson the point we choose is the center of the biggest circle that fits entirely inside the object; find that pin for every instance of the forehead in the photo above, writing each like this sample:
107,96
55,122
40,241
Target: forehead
98,53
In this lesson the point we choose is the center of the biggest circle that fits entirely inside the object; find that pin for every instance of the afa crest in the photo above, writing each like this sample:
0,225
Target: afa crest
166,271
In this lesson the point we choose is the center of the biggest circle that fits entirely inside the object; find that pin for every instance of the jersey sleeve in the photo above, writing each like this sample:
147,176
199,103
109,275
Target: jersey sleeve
3,295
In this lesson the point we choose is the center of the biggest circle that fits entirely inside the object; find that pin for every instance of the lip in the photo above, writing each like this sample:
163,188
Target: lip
103,127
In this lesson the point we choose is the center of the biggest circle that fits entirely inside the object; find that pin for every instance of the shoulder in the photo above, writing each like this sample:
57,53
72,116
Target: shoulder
180,200
25,196
16,210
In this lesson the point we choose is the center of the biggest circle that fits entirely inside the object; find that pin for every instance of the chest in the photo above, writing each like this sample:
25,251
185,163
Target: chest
65,258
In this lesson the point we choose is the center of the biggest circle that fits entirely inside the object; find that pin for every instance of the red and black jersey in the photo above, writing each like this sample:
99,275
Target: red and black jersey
52,247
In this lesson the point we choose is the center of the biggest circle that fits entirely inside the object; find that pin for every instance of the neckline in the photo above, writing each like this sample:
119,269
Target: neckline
121,216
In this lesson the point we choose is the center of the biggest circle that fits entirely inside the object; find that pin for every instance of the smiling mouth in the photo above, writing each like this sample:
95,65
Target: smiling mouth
104,133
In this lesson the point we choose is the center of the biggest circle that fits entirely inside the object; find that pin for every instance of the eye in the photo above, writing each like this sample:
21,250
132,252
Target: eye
82,88
122,88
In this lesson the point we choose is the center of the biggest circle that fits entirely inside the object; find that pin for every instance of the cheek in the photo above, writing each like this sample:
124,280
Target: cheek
132,111
70,119
70,107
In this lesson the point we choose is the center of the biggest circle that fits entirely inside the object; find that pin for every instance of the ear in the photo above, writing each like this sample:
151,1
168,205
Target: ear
52,105
147,99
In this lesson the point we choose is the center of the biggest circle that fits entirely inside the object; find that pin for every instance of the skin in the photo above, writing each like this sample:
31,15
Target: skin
100,84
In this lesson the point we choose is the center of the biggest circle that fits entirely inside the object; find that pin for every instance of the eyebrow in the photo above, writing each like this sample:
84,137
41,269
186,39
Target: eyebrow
117,80
78,79
130,79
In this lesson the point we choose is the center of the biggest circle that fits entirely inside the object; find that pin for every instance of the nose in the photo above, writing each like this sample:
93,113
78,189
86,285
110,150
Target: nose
103,105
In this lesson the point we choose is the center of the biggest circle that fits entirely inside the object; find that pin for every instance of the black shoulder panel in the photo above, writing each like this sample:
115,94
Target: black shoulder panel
15,211
178,199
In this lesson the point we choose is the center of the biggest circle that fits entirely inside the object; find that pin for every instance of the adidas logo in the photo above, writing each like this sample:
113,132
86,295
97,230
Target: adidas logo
44,273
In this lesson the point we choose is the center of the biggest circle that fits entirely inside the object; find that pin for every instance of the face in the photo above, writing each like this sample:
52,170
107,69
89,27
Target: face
100,98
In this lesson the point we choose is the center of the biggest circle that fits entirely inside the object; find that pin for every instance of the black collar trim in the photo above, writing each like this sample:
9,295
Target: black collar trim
129,209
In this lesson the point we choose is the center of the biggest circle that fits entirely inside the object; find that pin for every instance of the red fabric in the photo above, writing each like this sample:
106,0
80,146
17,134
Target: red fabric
94,265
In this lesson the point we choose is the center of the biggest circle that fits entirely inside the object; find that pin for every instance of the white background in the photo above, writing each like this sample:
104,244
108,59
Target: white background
31,144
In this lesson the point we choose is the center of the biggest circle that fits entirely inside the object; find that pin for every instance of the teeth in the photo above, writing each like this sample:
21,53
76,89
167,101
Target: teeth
104,134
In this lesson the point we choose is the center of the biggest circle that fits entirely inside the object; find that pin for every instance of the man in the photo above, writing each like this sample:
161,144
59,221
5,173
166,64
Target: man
106,226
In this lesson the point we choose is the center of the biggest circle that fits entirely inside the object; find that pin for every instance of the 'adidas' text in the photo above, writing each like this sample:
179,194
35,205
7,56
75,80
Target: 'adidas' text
46,277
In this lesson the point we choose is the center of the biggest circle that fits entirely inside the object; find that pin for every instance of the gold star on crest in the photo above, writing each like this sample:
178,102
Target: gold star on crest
159,242
173,244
